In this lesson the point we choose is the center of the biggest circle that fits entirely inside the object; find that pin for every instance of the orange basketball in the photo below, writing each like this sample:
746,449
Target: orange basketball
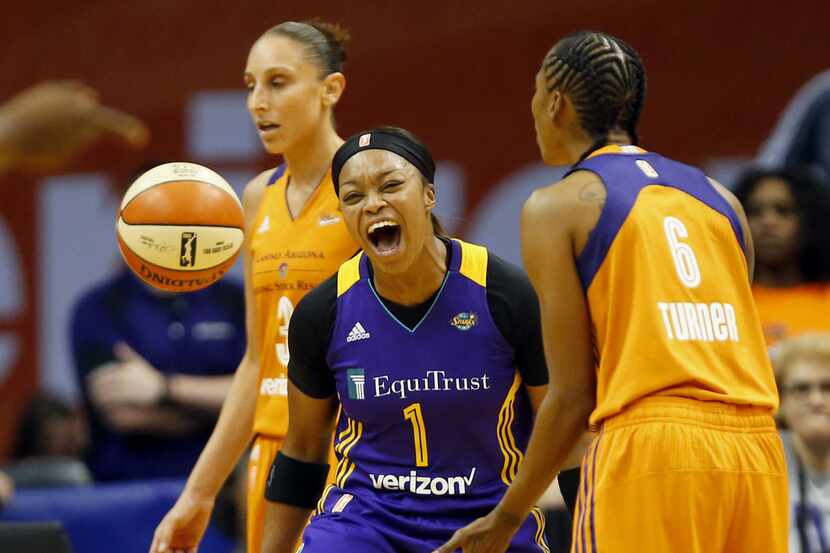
180,227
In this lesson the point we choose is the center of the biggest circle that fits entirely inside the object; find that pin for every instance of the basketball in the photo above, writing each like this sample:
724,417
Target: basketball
180,227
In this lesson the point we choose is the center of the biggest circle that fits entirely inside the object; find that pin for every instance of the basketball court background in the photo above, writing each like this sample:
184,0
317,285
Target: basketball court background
459,74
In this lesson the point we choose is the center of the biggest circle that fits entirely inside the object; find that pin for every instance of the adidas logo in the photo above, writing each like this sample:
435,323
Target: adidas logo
264,226
357,333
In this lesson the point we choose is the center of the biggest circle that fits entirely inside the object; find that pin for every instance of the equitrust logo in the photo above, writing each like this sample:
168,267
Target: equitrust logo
187,255
356,381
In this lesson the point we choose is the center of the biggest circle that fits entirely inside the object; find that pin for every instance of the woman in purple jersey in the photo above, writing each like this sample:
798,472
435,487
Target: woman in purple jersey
432,349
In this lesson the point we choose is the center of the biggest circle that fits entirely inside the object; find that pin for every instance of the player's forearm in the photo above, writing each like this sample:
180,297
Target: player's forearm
283,526
200,392
557,429
230,437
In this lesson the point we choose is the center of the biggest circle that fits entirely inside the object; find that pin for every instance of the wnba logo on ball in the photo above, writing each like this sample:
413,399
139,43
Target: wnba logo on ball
187,256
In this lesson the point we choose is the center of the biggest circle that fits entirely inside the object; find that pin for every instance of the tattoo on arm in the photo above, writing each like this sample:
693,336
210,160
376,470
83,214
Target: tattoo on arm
593,193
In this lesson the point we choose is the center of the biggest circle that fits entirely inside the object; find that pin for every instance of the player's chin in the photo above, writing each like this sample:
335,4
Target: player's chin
273,146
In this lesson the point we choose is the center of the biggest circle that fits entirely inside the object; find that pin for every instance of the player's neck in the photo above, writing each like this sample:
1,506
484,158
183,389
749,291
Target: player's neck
814,455
422,279
308,161
778,276
580,142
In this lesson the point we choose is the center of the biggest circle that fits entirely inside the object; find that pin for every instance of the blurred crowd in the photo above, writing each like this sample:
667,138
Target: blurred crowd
154,367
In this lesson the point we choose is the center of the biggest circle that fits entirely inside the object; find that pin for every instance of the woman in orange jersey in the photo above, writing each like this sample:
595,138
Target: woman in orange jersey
295,239
642,266
789,215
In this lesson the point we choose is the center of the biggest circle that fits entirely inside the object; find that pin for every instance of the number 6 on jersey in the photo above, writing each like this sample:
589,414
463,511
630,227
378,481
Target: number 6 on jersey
684,258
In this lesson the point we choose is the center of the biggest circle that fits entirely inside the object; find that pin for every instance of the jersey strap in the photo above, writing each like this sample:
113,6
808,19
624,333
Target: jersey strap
625,174
474,262
275,176
348,274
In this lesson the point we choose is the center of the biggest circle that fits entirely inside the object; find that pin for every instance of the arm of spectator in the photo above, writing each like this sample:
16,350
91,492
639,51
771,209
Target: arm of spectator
132,381
44,126
6,488
199,392
161,421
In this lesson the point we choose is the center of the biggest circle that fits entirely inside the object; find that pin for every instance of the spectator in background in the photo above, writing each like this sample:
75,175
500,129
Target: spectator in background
154,368
789,217
50,428
46,125
802,135
51,440
803,371
6,489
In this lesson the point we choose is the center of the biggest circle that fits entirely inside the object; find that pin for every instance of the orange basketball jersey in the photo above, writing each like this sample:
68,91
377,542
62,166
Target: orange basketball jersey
666,281
793,310
289,257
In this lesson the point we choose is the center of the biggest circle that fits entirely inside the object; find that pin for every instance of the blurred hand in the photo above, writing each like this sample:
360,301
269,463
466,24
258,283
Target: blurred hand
44,126
490,534
182,528
6,488
130,380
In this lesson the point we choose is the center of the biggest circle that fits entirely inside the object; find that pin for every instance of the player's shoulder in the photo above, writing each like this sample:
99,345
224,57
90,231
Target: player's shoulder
727,194
319,301
504,274
252,194
565,199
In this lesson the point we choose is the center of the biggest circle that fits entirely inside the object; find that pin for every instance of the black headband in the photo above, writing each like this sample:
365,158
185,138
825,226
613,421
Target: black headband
379,139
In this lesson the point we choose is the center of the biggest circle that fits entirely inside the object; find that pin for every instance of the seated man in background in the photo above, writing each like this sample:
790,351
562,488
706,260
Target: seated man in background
154,368
803,371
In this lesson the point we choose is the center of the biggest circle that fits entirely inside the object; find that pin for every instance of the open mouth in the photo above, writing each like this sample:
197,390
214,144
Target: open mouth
385,236
265,126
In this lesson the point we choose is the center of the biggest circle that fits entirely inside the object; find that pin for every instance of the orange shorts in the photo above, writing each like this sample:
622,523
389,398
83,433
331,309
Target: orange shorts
263,453
686,476
259,465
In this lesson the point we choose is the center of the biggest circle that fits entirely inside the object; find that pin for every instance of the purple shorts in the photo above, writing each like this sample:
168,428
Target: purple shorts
351,524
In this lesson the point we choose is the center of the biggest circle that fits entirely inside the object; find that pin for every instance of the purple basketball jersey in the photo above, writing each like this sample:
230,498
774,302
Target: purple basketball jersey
434,419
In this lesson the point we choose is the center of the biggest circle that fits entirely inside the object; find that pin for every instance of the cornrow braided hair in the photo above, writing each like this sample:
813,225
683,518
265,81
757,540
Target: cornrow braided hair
605,80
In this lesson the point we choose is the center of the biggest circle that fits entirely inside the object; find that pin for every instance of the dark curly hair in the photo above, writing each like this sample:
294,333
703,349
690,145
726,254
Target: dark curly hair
812,201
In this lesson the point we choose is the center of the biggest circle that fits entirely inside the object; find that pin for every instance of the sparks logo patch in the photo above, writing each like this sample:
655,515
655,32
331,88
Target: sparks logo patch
364,140
464,321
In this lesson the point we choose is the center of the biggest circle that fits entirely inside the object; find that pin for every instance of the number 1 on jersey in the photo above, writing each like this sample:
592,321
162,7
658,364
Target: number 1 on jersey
414,415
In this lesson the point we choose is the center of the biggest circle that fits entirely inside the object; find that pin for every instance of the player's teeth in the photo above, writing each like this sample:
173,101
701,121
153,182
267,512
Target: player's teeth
382,224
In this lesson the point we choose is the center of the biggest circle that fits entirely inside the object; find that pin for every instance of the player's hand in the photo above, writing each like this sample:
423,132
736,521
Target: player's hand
44,126
129,381
490,534
181,530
